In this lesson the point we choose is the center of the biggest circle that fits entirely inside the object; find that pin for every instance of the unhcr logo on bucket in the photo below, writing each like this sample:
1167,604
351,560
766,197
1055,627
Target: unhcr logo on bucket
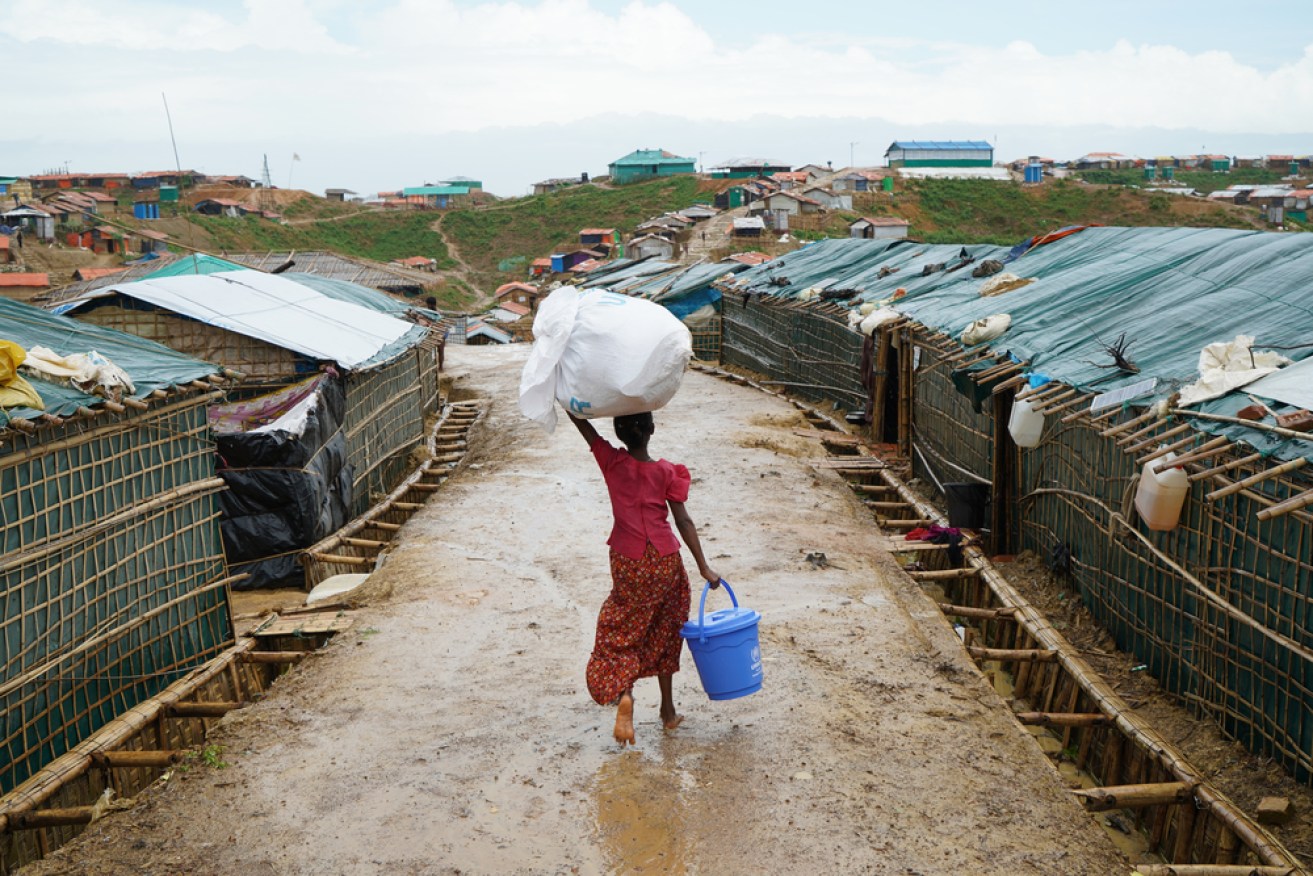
755,657
577,406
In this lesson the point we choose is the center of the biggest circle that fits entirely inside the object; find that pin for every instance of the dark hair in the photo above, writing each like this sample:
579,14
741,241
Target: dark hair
634,429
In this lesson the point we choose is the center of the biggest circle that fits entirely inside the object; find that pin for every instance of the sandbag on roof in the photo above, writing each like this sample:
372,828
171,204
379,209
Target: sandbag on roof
276,310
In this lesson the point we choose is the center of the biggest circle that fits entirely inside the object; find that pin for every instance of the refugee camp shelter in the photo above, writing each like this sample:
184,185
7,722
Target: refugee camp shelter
644,164
939,153
748,168
280,331
1129,348
36,222
878,227
112,583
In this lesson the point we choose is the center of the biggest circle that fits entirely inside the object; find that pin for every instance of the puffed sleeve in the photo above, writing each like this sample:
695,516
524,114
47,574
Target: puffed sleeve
603,452
677,488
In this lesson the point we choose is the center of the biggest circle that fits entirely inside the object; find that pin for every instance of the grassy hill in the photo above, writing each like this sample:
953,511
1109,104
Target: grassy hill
469,244
529,228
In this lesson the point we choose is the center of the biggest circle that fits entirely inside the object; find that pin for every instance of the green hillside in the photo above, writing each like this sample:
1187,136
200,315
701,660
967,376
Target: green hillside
377,235
532,227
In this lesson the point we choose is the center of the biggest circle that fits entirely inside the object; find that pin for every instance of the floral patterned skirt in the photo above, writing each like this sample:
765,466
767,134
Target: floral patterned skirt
638,626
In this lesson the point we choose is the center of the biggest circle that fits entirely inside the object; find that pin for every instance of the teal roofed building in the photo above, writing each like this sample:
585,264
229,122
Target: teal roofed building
649,163
940,153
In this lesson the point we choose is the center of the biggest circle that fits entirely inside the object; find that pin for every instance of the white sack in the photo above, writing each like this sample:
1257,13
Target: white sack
85,371
602,355
986,329
877,318
1229,365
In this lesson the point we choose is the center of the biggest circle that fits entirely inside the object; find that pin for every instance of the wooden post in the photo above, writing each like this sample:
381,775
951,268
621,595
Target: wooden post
203,710
1020,655
1058,719
133,759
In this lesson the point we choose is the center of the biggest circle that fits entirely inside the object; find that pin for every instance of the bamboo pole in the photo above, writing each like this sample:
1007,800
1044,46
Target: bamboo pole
1134,796
1043,406
1294,503
202,709
341,559
274,656
1153,439
1019,655
1003,613
1252,424
1011,383
73,815
1067,405
1225,467
1062,719
1257,478
1216,447
1129,424
943,575
1214,870
127,759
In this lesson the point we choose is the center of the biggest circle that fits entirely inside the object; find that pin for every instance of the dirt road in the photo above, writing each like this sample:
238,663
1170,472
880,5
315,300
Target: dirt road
450,731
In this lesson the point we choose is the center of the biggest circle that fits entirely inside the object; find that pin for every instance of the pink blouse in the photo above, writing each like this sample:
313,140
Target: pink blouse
639,491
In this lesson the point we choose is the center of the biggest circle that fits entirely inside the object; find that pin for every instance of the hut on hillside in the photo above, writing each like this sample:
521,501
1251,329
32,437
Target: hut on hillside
1066,379
306,345
113,582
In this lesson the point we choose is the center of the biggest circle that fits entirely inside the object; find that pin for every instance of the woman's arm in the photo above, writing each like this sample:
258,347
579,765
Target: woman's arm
585,428
689,532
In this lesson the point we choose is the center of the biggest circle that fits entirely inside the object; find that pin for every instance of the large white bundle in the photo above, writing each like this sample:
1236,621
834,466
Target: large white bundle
602,355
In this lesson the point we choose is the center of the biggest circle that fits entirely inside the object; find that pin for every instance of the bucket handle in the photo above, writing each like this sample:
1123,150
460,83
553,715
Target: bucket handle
702,606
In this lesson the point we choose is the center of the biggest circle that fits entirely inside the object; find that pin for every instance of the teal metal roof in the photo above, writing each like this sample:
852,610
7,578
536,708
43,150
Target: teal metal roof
436,190
193,264
151,366
651,156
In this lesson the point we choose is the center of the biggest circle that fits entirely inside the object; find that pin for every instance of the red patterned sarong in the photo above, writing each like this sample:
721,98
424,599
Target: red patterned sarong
638,626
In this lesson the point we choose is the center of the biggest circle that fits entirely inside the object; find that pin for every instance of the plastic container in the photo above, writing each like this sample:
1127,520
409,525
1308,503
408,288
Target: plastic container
1026,425
966,504
725,648
1160,494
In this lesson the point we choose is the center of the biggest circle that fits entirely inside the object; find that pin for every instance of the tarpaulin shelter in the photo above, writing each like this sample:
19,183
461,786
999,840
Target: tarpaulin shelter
278,331
1217,608
112,582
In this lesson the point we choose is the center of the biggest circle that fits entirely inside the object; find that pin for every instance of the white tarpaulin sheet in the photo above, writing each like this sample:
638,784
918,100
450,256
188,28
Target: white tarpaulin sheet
273,309
1292,385
1227,366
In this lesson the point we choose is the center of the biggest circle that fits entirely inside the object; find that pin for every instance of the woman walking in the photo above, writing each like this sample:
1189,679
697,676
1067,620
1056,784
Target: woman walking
638,626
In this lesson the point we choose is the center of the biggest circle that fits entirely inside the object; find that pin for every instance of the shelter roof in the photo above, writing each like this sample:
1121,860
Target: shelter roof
652,156
151,366
880,221
508,288
939,145
514,307
1090,287
275,309
750,163
24,280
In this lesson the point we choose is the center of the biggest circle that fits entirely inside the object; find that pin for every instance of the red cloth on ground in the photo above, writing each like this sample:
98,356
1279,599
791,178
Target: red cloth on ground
638,626
639,491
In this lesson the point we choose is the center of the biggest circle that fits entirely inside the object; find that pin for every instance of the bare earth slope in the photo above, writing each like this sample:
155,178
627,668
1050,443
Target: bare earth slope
450,730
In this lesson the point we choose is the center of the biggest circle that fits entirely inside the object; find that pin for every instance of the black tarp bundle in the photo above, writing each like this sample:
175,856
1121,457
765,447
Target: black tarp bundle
287,487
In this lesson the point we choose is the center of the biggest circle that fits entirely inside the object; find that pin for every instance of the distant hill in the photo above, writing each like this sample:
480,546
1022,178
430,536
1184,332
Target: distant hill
479,248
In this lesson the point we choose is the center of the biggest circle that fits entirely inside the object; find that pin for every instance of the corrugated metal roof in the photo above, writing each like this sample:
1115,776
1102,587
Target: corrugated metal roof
652,156
270,308
24,280
939,145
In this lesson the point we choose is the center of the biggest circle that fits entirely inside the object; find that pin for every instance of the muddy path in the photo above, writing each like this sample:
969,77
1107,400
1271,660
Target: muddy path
450,730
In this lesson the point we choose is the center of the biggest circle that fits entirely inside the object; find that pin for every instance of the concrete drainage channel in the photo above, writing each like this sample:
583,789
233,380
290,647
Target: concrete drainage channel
1182,825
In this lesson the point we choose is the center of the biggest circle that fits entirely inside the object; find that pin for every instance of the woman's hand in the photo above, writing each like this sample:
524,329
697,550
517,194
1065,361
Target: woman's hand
711,576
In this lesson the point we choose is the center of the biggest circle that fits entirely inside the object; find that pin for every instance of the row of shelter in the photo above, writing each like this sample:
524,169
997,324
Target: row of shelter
1064,380
166,439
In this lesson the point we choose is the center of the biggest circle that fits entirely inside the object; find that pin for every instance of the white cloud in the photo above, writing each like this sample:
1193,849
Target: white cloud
328,71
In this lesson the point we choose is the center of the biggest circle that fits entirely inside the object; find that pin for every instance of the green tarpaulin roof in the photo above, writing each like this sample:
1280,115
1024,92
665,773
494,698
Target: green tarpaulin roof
151,366
1169,291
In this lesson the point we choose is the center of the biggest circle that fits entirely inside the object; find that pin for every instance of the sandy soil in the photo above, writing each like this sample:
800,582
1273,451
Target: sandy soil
450,731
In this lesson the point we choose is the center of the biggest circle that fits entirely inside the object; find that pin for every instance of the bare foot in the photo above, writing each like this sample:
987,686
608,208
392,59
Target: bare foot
670,719
624,721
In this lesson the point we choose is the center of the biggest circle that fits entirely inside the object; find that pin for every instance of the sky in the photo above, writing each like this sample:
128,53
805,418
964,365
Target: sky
374,96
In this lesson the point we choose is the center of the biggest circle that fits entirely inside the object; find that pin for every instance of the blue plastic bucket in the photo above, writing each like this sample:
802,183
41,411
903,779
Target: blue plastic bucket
725,648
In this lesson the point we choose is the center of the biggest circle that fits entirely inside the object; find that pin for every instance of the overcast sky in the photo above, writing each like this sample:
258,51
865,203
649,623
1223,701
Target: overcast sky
380,95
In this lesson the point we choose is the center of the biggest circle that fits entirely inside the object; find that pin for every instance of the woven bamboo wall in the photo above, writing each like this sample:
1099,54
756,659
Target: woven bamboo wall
384,420
258,360
706,340
1078,487
112,582
813,354
945,426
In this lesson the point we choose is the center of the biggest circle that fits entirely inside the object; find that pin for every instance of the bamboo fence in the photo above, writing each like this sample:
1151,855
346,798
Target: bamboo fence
1219,609
1186,821
112,581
